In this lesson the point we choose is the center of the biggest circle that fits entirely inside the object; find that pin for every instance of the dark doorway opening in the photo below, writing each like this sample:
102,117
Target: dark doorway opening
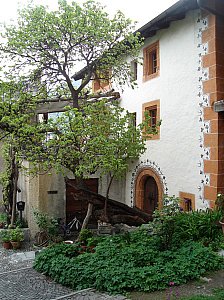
76,207
150,195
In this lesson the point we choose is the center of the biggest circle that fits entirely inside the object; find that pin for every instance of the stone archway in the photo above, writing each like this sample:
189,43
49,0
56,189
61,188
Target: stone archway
148,190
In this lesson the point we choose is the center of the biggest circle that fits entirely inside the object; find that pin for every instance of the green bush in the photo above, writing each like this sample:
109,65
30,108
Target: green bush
16,235
3,218
127,262
174,227
84,235
46,223
5,235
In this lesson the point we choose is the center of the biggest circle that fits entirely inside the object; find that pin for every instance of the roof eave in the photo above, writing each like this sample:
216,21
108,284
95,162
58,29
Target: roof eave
174,13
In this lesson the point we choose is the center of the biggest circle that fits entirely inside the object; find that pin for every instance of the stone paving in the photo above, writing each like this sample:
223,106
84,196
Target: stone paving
18,280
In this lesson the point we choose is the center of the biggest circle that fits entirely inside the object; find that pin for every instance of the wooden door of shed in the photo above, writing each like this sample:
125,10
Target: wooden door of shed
75,207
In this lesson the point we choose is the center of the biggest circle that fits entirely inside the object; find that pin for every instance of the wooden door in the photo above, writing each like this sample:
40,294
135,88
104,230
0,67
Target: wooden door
150,195
75,206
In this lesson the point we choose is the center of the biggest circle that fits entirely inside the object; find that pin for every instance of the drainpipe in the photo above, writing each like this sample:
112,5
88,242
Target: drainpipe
215,7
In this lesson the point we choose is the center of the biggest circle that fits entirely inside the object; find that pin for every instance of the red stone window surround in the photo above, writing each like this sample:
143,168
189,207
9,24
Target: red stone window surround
151,62
187,201
153,108
102,83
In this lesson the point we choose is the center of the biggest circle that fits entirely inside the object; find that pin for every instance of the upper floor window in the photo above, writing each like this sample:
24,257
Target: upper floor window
153,110
101,81
134,70
151,61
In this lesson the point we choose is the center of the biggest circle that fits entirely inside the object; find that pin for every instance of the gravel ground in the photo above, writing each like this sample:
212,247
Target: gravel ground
18,280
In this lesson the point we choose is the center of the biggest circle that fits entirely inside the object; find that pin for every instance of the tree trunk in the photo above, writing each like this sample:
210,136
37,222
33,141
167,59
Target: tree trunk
88,215
106,199
15,181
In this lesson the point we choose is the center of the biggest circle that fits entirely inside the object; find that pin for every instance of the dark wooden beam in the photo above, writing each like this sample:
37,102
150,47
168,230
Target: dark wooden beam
59,104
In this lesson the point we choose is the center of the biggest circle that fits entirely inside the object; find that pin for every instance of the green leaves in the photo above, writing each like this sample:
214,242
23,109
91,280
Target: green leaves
122,264
55,44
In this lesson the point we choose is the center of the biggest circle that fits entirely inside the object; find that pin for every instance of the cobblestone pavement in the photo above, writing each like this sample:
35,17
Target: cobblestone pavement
18,280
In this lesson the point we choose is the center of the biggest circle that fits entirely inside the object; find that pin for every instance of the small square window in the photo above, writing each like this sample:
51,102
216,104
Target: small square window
187,202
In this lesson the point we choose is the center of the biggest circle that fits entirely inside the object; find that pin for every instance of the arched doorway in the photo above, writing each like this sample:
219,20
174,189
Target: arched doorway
150,202
148,191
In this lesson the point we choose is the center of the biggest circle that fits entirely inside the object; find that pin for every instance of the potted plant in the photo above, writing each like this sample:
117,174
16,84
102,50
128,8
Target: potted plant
3,220
5,237
220,207
16,237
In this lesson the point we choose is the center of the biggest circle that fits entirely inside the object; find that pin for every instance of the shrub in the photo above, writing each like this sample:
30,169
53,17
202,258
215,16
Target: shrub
3,218
46,223
5,235
84,235
16,235
174,227
198,226
121,264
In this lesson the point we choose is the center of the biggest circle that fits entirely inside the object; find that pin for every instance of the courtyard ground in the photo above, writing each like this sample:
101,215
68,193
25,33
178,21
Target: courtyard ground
18,280
205,286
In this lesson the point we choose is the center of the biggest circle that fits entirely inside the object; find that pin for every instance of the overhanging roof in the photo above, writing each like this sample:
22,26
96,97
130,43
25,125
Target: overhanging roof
174,13
177,12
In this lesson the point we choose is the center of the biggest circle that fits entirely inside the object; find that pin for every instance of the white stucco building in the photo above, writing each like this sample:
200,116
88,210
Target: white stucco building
180,82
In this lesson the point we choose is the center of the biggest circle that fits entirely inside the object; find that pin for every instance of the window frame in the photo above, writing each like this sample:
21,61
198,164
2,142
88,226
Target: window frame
152,105
100,84
148,61
189,197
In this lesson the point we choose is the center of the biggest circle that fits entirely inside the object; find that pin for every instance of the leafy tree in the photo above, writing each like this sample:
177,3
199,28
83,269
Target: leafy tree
99,137
75,41
102,138
16,111
52,49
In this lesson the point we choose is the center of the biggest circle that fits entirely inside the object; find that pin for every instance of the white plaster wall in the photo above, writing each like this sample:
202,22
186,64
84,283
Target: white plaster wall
177,151
117,190
35,192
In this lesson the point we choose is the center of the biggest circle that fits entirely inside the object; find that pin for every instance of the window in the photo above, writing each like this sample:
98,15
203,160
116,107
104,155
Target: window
133,119
134,70
153,109
132,123
187,201
101,81
187,204
151,61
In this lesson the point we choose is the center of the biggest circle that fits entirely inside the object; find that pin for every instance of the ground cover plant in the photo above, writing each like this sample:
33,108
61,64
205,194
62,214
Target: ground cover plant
134,261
